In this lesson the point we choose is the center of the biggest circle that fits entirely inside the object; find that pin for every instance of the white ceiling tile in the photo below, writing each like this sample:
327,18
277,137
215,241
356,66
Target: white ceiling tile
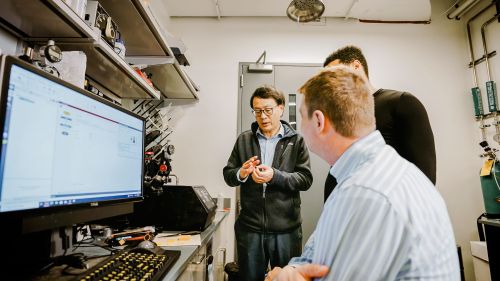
390,10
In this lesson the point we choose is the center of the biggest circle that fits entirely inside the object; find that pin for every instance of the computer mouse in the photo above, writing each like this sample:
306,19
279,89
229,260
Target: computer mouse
146,247
147,244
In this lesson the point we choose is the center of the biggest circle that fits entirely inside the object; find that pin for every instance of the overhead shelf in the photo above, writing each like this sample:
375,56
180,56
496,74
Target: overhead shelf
172,81
53,19
36,20
141,34
111,71
139,28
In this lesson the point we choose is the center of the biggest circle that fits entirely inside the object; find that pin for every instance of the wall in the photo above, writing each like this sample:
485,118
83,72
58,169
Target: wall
426,60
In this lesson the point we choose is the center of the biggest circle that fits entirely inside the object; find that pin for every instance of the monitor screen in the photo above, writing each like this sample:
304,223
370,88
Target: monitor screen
62,146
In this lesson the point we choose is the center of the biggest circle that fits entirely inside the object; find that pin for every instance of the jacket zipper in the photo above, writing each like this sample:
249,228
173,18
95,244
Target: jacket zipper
265,215
263,188
280,143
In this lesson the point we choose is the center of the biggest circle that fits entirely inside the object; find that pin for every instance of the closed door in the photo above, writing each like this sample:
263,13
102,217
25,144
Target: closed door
288,78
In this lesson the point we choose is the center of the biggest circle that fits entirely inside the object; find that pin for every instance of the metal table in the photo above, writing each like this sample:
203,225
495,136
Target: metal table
491,228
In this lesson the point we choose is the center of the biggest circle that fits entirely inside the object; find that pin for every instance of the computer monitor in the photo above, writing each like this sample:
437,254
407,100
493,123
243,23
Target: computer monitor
67,156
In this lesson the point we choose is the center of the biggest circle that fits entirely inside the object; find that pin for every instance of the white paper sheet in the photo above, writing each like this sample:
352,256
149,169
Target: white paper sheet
178,240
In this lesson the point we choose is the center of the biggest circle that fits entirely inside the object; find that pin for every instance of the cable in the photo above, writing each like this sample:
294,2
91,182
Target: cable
180,233
76,260
50,265
86,239
84,242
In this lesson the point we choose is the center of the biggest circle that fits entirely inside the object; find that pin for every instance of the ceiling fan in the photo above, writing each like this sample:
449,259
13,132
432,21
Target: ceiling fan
305,10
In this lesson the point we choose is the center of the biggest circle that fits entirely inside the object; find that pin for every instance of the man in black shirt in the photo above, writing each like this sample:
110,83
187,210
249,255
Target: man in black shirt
400,117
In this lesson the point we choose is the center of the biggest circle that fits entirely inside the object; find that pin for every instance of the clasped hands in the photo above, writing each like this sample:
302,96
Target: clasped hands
260,173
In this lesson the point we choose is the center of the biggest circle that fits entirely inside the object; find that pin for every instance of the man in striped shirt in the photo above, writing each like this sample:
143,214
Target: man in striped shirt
385,220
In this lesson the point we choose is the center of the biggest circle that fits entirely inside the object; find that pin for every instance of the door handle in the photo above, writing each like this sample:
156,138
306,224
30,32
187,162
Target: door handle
202,257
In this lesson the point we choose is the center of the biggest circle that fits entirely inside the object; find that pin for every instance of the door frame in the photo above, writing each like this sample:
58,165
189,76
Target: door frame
240,86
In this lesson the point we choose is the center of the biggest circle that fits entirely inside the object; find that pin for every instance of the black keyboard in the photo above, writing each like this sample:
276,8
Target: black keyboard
134,264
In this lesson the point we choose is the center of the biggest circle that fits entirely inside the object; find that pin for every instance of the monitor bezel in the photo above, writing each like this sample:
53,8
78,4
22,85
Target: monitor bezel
6,63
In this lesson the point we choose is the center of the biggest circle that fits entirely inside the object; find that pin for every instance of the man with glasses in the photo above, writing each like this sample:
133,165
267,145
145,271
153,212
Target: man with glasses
271,164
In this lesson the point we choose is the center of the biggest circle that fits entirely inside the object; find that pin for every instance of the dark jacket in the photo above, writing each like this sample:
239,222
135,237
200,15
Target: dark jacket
403,122
279,211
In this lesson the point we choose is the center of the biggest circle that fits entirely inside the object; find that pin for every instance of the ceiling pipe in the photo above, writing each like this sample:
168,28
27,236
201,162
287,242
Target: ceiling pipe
483,36
469,40
473,62
397,21
462,9
496,137
466,11
217,9
350,9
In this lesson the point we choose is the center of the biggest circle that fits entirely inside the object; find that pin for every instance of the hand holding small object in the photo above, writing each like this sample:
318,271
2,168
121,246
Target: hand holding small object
262,174
248,167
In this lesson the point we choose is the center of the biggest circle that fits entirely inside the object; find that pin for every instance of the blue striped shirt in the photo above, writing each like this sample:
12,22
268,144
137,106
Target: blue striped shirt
384,221
267,149
268,146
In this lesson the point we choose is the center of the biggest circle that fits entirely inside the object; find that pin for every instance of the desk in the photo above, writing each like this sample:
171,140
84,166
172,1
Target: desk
189,252
492,231
187,255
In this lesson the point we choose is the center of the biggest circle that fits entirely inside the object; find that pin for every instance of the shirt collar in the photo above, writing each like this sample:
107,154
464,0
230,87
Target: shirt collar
358,153
280,133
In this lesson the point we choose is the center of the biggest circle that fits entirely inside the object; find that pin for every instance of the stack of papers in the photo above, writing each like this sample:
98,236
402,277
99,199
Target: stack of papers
177,240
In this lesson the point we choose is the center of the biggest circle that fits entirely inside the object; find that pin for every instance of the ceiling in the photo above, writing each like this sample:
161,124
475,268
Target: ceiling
376,10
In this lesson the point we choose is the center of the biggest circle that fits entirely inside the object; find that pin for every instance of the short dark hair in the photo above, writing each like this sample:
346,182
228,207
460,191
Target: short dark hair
347,55
266,92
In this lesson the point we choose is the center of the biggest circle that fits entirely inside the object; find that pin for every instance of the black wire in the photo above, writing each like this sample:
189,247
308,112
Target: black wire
83,242
180,233
48,266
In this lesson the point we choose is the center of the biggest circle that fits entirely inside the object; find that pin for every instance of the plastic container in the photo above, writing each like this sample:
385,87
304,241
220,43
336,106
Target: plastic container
480,260
220,202
78,6
120,47
491,192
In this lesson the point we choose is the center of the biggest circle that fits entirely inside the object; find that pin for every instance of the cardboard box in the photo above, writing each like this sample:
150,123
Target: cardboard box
480,260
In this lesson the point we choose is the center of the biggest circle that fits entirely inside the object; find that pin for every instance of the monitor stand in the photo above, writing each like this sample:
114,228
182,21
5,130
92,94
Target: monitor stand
40,222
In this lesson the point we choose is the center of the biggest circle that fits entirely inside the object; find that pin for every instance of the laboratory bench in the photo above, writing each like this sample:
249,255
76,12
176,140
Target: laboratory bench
196,256
193,263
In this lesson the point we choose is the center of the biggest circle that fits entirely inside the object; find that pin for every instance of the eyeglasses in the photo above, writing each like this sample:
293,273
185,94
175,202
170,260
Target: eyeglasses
267,111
